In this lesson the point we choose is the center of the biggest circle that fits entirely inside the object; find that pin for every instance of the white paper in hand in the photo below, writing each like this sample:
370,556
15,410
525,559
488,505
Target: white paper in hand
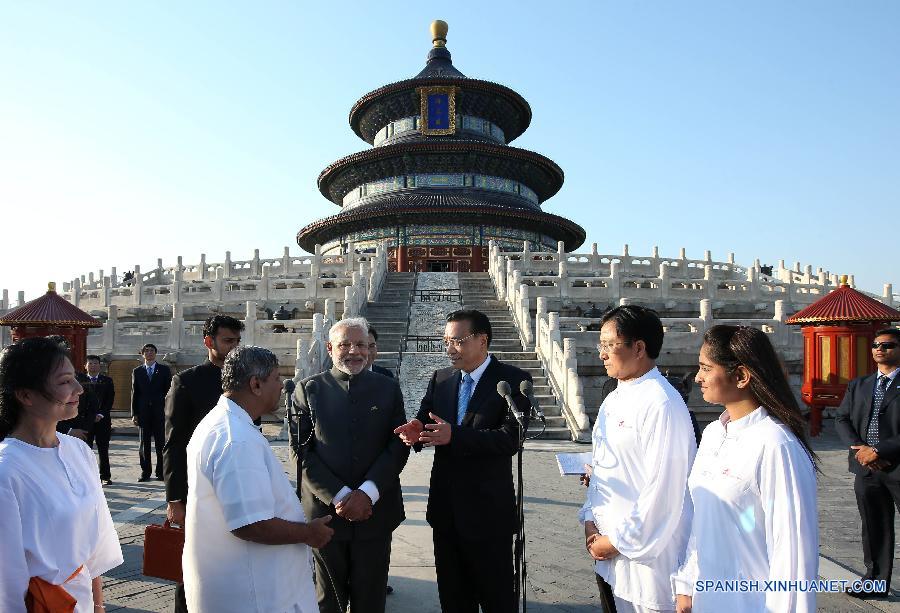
573,463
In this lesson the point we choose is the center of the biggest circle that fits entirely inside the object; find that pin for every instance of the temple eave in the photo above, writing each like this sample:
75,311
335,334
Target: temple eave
540,173
336,226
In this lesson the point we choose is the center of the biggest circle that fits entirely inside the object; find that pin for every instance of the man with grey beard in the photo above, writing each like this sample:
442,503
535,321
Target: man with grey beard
351,471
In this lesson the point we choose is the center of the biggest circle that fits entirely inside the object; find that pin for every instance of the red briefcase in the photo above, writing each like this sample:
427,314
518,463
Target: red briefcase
162,551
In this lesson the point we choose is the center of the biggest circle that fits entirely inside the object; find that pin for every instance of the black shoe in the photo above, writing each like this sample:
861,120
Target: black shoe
860,593
159,478
389,590
106,481
143,479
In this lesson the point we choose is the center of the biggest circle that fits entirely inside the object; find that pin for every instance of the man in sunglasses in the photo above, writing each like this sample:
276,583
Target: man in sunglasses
868,420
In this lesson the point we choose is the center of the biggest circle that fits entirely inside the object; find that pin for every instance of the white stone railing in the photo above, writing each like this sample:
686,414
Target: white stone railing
286,278
557,356
176,334
321,291
557,341
684,281
526,280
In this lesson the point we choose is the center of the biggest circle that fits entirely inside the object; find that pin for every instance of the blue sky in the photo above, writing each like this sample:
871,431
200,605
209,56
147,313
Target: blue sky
132,131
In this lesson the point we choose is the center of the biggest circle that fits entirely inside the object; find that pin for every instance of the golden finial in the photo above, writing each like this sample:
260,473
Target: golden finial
845,280
439,33
51,287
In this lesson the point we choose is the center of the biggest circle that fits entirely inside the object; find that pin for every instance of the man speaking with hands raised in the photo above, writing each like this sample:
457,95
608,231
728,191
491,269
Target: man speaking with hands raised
471,503
351,469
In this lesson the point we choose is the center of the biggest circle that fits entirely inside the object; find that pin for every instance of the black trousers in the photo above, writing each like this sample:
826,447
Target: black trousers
876,497
607,600
358,570
472,573
155,431
101,433
180,604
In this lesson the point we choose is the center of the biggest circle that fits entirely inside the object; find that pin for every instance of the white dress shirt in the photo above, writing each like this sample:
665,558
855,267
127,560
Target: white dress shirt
753,487
643,447
53,519
234,480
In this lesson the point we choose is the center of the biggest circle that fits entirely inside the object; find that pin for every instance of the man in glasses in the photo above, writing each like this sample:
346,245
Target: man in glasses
351,471
637,512
471,502
868,421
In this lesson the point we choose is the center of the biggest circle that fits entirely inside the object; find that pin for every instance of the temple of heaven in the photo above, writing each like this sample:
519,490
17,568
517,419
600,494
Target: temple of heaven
441,179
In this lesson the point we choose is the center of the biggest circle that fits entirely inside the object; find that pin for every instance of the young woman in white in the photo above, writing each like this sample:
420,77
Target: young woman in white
55,525
754,534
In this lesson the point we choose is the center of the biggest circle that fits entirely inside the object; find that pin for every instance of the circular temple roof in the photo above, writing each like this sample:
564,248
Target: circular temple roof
496,103
844,304
49,309
534,170
492,101
416,207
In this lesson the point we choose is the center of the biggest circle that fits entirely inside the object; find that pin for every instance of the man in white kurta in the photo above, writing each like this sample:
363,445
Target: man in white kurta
234,481
643,447
753,487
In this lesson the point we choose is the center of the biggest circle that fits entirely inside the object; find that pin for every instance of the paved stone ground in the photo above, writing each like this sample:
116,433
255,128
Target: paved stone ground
559,572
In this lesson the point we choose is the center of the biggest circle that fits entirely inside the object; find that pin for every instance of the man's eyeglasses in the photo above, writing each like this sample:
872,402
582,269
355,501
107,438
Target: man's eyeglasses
884,345
604,347
457,342
373,345
346,345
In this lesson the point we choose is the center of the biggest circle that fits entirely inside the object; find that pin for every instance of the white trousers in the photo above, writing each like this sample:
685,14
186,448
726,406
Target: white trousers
624,606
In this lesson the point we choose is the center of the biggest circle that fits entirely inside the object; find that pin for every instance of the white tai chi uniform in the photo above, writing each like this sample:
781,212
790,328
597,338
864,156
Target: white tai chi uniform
754,491
53,519
234,480
643,446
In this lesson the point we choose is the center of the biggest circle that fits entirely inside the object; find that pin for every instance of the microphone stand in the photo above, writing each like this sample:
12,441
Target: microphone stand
520,566
299,448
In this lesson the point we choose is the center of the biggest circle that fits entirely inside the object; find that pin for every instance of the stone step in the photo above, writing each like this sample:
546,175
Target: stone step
555,434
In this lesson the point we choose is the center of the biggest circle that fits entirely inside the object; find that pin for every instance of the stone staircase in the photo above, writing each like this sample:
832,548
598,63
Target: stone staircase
389,316
478,292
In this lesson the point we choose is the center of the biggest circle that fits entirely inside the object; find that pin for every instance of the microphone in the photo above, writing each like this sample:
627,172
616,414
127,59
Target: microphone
312,389
288,388
505,390
527,389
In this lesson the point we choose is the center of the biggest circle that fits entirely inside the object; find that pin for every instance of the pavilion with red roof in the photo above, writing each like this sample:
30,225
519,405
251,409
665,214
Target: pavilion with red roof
837,335
51,314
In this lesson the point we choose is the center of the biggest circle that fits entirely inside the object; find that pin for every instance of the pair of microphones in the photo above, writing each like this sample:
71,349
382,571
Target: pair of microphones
526,388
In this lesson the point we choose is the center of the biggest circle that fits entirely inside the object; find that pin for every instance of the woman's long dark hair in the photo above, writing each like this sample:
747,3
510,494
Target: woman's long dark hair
27,364
733,346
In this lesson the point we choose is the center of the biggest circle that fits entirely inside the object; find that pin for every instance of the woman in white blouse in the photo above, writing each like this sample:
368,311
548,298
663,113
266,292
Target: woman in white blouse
56,532
754,534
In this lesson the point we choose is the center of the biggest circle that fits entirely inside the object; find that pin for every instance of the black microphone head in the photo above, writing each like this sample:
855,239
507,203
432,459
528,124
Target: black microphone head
504,389
288,386
312,387
525,387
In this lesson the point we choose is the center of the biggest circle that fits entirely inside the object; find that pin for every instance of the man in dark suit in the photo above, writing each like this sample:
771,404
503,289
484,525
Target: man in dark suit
193,394
373,355
471,503
103,390
149,385
351,471
868,420
82,425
